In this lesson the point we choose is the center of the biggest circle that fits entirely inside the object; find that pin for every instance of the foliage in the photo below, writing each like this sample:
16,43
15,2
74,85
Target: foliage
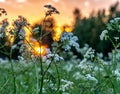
88,29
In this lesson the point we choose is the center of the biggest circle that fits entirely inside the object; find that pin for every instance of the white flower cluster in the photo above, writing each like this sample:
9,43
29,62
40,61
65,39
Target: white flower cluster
88,76
69,40
103,35
22,33
52,57
66,86
115,20
118,55
3,28
68,67
85,66
78,76
89,53
117,74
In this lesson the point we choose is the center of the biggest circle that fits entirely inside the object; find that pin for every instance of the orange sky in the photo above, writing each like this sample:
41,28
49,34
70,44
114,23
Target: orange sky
34,10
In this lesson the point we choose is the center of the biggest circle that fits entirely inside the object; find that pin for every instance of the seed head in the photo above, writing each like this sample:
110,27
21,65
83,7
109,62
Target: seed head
3,12
51,10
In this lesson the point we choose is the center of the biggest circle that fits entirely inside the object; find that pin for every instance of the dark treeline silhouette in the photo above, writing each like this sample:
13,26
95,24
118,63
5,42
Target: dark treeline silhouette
89,29
47,31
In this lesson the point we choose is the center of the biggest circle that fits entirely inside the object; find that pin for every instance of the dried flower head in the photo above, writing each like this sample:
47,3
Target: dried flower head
4,22
51,10
20,22
3,12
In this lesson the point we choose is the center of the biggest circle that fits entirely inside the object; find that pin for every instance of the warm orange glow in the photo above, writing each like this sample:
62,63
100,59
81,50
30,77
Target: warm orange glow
38,49
68,29
58,32
28,34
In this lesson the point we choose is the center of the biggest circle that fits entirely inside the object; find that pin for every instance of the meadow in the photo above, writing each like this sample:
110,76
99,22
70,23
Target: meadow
40,70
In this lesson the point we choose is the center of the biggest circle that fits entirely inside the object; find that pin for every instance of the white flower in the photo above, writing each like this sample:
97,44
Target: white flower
1,35
117,73
116,38
67,85
20,42
36,29
89,53
78,76
68,67
20,58
69,41
103,34
22,32
14,46
88,76
117,18
100,55
51,57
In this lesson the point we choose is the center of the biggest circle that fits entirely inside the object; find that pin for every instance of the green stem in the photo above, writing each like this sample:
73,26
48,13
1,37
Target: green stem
113,86
37,77
13,74
41,65
114,53
58,76
4,85
111,41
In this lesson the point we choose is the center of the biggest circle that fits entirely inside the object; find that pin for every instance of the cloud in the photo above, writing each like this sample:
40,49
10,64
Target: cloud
21,1
2,1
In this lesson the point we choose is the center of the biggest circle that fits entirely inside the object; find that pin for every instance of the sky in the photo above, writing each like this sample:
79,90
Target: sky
33,10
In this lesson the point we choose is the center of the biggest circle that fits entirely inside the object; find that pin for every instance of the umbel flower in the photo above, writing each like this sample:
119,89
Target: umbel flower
20,22
3,12
103,35
51,10
4,23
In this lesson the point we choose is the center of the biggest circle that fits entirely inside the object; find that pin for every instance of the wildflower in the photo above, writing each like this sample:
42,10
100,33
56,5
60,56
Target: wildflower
21,22
68,67
22,33
103,35
89,53
1,35
55,57
67,85
49,57
20,58
4,25
3,11
78,76
69,40
88,76
36,29
116,38
48,6
117,73
51,10
117,18
14,46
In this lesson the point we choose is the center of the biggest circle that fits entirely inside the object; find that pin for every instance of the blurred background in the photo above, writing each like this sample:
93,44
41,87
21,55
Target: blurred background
85,18
33,9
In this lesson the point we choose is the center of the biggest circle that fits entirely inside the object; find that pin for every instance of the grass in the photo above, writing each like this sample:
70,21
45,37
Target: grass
75,78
